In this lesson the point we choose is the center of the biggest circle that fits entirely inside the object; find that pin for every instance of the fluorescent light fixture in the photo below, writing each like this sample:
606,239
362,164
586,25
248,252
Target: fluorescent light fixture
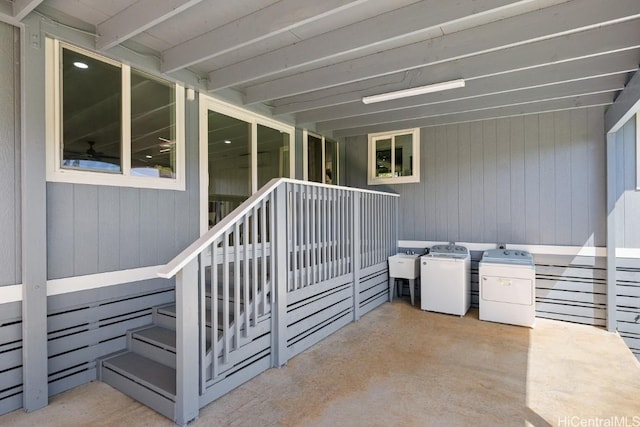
226,141
420,90
165,150
149,156
79,64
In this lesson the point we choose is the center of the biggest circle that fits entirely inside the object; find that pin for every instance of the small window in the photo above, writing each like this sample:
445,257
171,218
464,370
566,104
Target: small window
109,124
394,157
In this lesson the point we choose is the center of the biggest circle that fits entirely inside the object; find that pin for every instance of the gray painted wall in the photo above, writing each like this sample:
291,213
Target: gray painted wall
628,202
95,229
535,179
10,199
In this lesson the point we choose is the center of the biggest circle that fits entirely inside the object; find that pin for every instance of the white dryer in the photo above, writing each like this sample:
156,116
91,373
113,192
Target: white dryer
445,280
507,287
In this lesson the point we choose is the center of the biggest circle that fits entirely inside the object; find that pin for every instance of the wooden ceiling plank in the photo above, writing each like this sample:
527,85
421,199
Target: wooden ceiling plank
554,21
598,41
137,18
495,113
415,18
578,88
565,72
274,19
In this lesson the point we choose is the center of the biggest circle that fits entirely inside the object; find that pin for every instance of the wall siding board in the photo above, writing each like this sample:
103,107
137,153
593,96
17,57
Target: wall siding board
631,196
60,223
547,177
489,138
597,179
513,180
428,152
532,178
129,228
85,237
477,185
518,210
579,178
149,232
464,180
562,144
441,184
9,158
503,181
620,188
453,220
108,229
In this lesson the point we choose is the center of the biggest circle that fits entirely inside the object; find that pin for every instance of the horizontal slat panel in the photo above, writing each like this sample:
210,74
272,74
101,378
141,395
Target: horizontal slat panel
632,276
10,359
564,285
321,332
571,272
628,291
569,318
305,311
312,291
572,310
11,377
325,313
624,301
632,342
571,297
10,333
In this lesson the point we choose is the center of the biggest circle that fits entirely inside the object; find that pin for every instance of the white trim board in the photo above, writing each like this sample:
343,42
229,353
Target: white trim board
67,285
534,249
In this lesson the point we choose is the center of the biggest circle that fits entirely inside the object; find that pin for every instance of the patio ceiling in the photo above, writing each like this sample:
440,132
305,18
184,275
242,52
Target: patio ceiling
317,59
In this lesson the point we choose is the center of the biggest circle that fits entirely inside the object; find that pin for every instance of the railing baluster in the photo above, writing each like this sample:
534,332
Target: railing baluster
202,321
214,309
334,243
300,238
272,258
263,227
340,234
236,284
294,243
246,299
325,262
225,297
312,234
254,264
318,217
307,239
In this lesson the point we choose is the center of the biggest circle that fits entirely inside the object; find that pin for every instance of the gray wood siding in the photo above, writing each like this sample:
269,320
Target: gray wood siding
628,303
627,215
97,229
10,199
535,179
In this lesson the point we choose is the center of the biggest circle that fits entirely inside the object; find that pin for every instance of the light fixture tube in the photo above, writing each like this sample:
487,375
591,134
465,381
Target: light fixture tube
436,87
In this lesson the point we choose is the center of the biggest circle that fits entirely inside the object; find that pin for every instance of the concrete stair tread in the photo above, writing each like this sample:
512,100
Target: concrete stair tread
170,310
144,371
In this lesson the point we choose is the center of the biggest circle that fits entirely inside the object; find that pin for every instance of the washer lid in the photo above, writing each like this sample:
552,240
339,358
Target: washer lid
450,251
508,256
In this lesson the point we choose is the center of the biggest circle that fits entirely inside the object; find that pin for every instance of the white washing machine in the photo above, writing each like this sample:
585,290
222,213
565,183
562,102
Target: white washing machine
508,287
445,280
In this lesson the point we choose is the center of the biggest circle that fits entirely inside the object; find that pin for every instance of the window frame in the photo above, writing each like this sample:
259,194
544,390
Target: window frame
54,169
305,155
372,179
638,151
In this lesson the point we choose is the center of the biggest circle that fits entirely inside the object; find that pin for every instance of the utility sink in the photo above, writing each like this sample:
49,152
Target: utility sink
404,266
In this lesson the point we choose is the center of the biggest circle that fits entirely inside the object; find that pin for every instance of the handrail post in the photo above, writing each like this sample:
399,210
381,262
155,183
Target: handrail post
279,353
187,344
355,253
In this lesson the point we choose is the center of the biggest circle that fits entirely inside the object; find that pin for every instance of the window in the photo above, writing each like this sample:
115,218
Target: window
394,157
110,124
320,157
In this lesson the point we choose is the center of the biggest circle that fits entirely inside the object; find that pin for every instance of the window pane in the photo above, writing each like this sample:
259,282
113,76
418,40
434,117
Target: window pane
153,128
273,154
383,157
229,164
314,158
91,113
331,162
404,155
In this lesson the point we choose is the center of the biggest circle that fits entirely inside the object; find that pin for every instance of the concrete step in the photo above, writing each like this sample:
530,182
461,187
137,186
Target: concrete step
143,379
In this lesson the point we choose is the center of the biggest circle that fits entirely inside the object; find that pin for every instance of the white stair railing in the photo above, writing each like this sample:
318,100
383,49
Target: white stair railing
232,283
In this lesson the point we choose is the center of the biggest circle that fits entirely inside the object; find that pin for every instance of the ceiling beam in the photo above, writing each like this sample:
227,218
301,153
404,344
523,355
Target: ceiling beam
409,21
627,104
564,72
494,113
137,18
598,41
554,21
526,96
6,12
22,8
274,19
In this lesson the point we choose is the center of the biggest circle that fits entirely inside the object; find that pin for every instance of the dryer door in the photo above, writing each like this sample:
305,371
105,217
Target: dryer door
506,289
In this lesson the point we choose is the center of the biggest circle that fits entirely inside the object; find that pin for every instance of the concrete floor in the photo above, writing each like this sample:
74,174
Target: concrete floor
399,366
